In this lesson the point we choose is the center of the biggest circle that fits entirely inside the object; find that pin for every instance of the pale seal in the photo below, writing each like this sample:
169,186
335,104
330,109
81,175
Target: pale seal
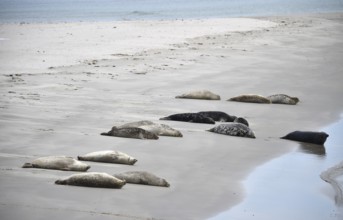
251,98
57,163
283,99
142,177
201,94
189,117
234,129
242,121
138,133
158,129
92,179
218,116
307,137
109,156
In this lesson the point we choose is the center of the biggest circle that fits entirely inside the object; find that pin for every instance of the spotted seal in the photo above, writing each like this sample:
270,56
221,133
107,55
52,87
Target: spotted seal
218,116
201,94
190,117
283,99
109,156
234,129
158,129
307,136
138,133
58,163
142,177
92,179
251,98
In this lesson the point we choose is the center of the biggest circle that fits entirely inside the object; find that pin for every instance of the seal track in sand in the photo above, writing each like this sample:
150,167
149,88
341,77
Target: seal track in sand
330,176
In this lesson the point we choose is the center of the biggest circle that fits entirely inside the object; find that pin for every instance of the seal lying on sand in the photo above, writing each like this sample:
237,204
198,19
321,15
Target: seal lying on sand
138,133
92,179
251,98
307,136
109,156
283,99
234,129
57,163
189,117
142,177
218,116
202,94
158,129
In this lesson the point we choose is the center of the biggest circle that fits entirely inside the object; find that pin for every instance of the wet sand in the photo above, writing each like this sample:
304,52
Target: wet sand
64,84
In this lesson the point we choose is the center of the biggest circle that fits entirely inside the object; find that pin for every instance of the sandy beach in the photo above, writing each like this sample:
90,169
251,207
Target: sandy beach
62,84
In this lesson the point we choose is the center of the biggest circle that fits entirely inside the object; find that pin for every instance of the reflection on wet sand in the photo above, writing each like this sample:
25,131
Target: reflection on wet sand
315,149
330,176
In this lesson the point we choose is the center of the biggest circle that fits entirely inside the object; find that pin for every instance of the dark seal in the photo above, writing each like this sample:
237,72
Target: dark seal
190,117
138,133
218,116
242,121
307,136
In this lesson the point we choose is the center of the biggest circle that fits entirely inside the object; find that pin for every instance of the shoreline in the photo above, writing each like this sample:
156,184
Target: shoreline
62,110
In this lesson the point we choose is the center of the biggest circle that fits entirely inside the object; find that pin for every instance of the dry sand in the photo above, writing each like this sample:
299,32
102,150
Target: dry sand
64,84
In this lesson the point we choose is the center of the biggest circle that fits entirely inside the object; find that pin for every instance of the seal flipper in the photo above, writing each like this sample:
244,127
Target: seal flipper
27,165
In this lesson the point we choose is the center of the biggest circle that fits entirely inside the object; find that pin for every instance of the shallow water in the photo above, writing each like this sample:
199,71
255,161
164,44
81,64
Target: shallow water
290,187
106,10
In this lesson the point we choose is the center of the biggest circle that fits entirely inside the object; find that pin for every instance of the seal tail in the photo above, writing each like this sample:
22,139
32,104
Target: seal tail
132,161
61,182
165,118
27,165
211,130
104,133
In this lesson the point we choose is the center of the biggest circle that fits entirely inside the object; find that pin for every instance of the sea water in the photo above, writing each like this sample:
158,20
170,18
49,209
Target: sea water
290,187
107,10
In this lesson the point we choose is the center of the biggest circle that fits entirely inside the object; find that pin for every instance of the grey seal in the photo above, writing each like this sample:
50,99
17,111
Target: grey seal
201,94
251,98
57,163
142,177
158,129
190,117
307,137
283,99
92,179
138,133
234,129
109,156
218,116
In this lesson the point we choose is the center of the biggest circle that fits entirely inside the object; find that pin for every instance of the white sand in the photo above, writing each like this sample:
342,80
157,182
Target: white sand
102,76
